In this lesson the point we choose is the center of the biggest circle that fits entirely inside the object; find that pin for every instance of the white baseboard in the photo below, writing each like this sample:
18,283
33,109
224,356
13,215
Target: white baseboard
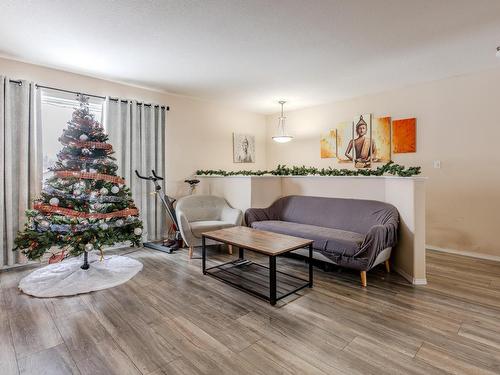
409,278
464,253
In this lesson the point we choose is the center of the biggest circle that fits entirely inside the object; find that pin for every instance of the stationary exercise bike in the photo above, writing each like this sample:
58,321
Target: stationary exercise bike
169,245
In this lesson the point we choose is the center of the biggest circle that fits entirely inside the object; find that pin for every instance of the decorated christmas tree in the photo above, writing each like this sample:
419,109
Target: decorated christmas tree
84,206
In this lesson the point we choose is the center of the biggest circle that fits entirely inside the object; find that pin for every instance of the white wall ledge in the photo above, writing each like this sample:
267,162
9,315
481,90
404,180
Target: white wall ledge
314,176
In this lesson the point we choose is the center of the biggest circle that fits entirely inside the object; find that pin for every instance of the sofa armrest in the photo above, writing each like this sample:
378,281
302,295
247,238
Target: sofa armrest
378,238
258,214
232,215
185,228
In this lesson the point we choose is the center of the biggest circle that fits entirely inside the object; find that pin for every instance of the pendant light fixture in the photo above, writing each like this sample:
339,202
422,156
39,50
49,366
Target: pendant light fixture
282,136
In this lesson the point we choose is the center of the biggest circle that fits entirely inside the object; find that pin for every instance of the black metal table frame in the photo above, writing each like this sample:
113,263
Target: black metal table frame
272,298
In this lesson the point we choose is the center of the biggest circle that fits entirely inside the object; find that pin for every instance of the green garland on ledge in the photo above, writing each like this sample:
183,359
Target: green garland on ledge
282,170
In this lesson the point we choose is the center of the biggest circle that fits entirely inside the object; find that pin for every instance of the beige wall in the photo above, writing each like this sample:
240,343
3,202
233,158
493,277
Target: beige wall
458,123
199,133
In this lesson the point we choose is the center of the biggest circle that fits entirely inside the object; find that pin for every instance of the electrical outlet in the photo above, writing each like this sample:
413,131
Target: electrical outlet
437,164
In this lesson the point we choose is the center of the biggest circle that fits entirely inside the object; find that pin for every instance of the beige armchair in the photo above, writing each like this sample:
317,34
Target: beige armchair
202,213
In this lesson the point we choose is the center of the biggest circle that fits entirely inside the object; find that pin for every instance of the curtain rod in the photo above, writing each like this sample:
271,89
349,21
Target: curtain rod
93,96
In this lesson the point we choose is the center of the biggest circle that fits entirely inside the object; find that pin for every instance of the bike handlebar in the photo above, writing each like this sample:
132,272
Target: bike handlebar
154,177
142,177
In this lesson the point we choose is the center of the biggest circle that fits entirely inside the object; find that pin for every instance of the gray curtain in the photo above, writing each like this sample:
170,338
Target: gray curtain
20,161
137,133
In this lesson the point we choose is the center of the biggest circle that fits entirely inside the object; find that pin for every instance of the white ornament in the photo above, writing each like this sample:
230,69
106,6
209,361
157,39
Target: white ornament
54,201
77,192
104,226
92,170
119,223
65,163
103,191
84,137
137,231
38,217
86,151
45,224
89,247
115,189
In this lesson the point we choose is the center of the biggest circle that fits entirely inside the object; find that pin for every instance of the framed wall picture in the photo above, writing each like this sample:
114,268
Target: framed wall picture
328,144
404,135
344,139
243,148
361,145
381,138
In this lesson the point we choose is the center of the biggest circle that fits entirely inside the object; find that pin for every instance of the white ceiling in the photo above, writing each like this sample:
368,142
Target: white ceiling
251,53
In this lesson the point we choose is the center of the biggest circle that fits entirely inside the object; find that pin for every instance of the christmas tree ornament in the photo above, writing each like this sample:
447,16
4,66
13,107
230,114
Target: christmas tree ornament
115,189
45,224
77,209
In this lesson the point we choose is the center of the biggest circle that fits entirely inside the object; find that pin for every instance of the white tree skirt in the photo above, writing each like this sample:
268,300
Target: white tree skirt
67,278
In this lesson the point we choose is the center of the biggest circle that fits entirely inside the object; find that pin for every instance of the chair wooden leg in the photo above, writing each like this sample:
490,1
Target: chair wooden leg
363,278
230,249
190,252
387,266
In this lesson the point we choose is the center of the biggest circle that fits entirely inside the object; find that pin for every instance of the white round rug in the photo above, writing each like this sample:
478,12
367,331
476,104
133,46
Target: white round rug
67,278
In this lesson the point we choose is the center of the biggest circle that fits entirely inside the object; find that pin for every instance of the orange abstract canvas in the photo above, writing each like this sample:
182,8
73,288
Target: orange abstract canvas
404,135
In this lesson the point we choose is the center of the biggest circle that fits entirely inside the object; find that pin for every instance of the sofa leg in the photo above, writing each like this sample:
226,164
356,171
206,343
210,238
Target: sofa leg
190,252
388,266
363,278
230,249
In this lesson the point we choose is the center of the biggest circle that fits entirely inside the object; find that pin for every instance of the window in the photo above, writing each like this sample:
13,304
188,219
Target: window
56,110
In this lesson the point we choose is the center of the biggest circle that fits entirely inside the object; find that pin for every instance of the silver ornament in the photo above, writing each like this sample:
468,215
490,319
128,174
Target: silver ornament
54,201
65,163
104,191
86,151
84,137
38,217
119,223
104,226
137,231
77,192
115,189
89,247
92,170
45,224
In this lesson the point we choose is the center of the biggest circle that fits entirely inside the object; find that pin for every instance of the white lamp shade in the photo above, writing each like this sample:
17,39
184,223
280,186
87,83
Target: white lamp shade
282,138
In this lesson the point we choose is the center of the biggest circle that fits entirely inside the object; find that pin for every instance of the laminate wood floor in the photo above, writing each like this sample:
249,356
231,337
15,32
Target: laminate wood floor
170,319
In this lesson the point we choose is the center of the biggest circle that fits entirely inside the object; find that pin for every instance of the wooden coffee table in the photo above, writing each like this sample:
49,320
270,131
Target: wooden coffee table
254,278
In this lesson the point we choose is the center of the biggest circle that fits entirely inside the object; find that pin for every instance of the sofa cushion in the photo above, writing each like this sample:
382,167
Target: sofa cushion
327,239
199,227
357,215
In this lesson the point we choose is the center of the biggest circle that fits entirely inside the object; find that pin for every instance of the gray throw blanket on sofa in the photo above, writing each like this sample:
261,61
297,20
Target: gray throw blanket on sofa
351,232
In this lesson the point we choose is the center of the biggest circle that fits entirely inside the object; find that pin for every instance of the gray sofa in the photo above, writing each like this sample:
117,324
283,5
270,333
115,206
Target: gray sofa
353,233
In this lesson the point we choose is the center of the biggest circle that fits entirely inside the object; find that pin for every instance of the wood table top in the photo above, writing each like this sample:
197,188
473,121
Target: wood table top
263,242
